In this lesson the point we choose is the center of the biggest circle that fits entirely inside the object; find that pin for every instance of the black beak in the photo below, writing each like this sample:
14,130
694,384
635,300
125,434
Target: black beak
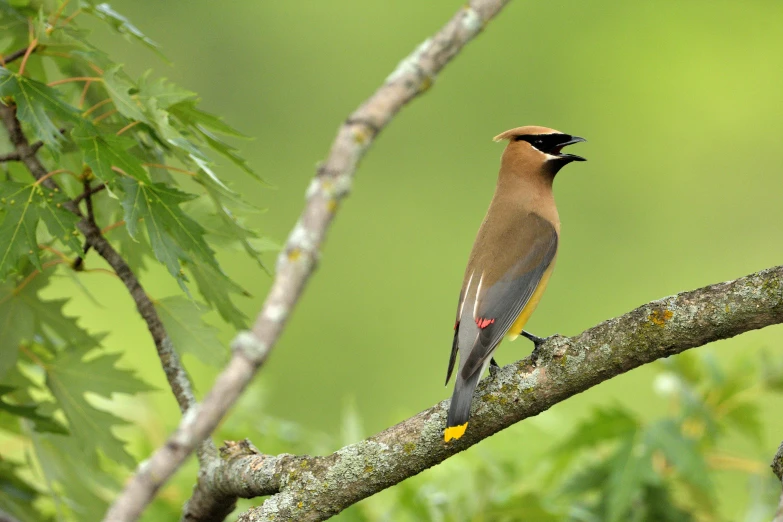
571,157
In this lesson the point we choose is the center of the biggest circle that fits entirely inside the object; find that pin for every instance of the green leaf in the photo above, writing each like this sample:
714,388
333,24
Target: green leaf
683,453
602,426
102,151
686,365
188,332
77,480
23,314
187,113
171,232
205,125
225,227
69,377
17,324
12,18
42,423
24,206
739,377
50,317
133,250
659,506
16,495
26,392
119,23
625,479
119,87
590,477
527,506
36,104
745,417
164,93
226,150
216,288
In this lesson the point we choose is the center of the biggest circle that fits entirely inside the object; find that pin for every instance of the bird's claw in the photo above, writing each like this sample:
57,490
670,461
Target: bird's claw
493,367
538,342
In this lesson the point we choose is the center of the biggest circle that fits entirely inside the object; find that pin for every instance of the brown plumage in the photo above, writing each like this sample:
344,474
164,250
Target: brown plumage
511,261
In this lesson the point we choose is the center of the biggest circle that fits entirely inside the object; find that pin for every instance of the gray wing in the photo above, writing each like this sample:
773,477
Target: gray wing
501,303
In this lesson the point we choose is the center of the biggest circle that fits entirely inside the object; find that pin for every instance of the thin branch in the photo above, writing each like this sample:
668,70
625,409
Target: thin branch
315,488
175,372
413,76
78,264
42,180
109,228
96,107
74,15
127,127
14,156
105,115
88,79
14,56
11,156
83,96
27,54
94,190
169,167
32,275
57,14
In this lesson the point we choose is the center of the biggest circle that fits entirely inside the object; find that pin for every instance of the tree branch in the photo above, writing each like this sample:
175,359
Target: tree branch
315,488
175,372
413,76
14,56
78,264
89,193
14,156
777,463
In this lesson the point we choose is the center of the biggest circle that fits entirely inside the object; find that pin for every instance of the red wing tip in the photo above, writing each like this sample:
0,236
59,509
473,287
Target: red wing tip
483,323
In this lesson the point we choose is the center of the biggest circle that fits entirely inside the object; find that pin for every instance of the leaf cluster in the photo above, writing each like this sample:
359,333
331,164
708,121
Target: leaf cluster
139,157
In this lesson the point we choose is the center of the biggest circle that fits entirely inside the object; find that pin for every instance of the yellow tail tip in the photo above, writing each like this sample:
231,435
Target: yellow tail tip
454,432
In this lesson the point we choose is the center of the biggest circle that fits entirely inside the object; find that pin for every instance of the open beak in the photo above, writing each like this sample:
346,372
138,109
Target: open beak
571,157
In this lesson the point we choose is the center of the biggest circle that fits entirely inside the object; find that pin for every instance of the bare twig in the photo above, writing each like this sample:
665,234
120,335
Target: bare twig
78,264
413,76
94,190
11,156
14,56
14,156
315,488
175,372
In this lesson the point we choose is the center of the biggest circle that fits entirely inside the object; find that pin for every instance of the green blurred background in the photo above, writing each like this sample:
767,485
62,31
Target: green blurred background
681,103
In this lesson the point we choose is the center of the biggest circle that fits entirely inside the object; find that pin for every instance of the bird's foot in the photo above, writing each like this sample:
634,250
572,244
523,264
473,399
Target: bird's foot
493,367
537,343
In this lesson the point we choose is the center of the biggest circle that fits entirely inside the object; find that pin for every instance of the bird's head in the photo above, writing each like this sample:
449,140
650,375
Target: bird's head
538,146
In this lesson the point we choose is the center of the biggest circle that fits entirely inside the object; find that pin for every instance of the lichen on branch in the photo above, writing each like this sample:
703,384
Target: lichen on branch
315,488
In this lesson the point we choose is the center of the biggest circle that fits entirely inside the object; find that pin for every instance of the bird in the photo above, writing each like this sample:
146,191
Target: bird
511,260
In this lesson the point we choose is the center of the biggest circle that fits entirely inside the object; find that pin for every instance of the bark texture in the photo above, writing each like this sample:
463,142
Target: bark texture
315,488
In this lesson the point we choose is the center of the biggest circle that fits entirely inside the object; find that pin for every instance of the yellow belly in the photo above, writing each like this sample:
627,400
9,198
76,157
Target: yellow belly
530,307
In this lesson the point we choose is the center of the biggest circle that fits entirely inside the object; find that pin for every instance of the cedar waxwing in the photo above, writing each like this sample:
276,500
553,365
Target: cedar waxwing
511,261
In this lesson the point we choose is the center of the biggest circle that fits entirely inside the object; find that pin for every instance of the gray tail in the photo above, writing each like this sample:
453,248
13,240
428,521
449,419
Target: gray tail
459,411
